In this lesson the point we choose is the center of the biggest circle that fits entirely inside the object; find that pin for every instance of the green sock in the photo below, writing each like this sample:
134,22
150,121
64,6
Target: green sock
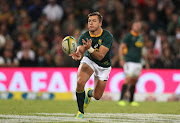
90,93
80,100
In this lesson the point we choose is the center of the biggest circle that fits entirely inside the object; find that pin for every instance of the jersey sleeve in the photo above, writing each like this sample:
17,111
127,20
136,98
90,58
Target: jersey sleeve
126,39
80,40
107,41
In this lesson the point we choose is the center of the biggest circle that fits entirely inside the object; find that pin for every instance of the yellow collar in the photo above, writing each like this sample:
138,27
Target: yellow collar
96,35
134,33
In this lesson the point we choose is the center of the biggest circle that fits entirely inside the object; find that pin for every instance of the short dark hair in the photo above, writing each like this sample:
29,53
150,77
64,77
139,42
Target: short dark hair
100,17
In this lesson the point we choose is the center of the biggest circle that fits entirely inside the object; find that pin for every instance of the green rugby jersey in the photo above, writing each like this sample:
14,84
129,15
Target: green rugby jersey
134,43
104,38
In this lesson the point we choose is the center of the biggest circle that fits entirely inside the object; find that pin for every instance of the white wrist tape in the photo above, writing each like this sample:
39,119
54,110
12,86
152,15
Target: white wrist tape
90,50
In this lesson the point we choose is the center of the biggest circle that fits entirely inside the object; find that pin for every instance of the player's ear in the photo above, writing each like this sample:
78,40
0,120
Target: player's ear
100,23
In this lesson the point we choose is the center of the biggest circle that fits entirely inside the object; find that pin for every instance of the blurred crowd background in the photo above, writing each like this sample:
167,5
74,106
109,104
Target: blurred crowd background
31,31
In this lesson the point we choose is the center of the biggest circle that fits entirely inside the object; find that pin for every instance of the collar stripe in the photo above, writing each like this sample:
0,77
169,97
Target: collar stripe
96,35
134,33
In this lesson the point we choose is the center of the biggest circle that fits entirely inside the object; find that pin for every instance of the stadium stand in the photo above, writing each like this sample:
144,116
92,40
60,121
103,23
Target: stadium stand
31,31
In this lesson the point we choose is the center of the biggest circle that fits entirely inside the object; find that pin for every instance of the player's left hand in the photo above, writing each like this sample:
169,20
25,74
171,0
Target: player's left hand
87,43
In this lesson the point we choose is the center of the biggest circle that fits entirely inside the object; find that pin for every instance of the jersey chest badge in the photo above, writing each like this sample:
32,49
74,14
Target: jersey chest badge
139,44
100,41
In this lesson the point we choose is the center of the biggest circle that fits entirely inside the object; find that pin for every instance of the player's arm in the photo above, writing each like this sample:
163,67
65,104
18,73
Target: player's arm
121,49
78,55
99,55
121,53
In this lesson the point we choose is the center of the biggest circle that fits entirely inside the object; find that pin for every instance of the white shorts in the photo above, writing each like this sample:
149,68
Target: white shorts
101,73
132,69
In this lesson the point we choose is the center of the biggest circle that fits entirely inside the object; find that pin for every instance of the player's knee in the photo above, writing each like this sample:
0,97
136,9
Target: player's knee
97,97
80,85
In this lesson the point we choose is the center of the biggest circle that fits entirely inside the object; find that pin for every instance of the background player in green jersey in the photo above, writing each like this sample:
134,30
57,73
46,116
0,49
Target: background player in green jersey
94,52
130,53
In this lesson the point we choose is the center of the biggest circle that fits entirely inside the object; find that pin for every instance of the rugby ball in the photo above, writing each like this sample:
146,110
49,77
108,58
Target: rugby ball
69,44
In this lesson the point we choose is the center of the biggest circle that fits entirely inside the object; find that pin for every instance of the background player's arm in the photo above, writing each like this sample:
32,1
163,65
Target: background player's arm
121,53
99,55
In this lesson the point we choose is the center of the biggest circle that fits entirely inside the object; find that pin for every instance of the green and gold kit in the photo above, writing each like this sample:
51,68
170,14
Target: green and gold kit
134,43
105,38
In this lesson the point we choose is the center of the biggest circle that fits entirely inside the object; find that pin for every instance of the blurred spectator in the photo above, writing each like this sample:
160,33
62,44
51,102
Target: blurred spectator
25,22
68,6
4,31
41,52
82,4
167,56
154,24
176,48
5,12
26,60
40,38
171,27
47,61
83,17
57,45
8,59
58,60
161,38
26,54
154,62
2,41
17,6
20,38
35,10
120,26
108,21
53,11
70,24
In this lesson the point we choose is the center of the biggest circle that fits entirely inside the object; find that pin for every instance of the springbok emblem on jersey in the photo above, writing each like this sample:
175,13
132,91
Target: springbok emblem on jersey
100,41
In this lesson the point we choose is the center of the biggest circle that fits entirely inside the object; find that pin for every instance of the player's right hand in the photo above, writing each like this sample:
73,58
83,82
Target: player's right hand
76,56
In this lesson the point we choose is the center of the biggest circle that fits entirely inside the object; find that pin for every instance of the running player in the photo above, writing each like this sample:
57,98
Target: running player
93,50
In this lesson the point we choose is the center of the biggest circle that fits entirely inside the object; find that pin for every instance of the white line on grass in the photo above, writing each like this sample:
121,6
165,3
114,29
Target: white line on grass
94,117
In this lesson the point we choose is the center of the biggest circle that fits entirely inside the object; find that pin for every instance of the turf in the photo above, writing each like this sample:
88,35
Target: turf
26,107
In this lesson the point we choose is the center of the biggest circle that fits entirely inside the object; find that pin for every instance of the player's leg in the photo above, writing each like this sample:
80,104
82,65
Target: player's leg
124,87
132,91
127,71
89,94
101,76
99,89
123,91
136,72
84,73
97,94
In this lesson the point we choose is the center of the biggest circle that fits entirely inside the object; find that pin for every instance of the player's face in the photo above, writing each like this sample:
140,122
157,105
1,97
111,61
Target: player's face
93,23
136,27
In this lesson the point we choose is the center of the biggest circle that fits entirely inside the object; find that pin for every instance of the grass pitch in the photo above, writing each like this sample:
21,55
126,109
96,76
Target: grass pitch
97,111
